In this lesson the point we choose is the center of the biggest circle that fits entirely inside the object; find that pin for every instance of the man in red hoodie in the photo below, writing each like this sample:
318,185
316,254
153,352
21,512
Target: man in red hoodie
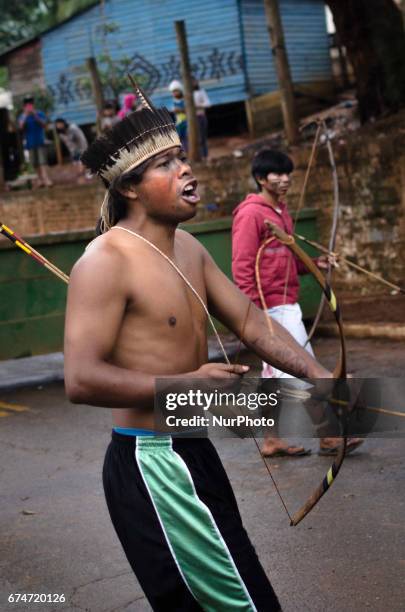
278,269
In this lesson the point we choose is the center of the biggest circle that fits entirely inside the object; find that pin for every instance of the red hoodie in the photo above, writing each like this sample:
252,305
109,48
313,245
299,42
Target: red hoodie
248,233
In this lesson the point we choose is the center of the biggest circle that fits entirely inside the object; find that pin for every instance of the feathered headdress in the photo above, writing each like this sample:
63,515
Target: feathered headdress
141,135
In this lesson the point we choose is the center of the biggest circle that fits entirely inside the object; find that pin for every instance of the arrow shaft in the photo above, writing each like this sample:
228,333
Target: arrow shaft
31,252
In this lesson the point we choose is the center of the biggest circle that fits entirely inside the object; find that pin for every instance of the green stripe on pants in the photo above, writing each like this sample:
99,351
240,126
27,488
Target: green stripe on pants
195,542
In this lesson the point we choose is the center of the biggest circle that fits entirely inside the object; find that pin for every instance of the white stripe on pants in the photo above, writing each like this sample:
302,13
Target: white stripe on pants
290,317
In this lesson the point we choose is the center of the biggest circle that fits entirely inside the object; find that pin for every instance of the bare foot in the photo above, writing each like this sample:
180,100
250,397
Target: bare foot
275,447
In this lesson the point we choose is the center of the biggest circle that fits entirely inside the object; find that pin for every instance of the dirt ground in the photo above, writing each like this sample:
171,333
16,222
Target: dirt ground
376,308
368,358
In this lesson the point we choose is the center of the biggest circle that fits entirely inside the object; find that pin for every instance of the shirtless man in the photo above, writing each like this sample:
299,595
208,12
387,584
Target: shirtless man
132,318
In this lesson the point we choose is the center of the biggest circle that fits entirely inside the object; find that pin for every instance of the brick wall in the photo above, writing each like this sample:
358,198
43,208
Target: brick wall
371,173
371,169
57,209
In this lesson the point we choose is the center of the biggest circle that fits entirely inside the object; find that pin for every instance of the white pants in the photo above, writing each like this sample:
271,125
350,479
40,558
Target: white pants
290,317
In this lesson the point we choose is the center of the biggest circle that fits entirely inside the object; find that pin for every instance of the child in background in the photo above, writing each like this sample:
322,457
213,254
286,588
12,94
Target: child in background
201,102
179,110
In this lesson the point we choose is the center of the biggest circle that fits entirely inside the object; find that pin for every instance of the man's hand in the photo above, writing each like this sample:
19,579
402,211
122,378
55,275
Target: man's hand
38,119
220,371
220,376
328,260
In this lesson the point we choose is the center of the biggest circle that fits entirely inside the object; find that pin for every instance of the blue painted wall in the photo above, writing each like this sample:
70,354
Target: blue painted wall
306,38
146,35
218,31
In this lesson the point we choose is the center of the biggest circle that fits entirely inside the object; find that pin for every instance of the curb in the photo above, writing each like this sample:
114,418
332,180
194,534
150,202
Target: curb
31,371
30,381
14,373
382,331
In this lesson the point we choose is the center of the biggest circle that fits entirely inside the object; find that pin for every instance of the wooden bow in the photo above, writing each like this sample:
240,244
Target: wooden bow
339,371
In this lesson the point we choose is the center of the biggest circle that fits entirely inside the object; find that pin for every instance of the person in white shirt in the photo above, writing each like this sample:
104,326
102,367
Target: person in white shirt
201,102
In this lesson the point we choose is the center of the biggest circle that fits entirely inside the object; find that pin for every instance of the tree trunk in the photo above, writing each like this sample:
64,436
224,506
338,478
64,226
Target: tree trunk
373,33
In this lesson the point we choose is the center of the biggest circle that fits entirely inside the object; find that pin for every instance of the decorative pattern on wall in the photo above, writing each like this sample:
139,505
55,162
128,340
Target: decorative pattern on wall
75,86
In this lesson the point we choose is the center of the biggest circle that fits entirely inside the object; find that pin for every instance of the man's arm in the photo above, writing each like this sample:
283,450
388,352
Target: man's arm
40,118
245,245
230,306
95,308
21,121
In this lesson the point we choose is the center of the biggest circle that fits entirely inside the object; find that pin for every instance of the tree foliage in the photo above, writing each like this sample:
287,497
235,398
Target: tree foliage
373,33
22,20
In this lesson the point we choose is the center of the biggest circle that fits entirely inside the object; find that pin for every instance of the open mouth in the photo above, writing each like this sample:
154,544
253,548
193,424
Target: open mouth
189,192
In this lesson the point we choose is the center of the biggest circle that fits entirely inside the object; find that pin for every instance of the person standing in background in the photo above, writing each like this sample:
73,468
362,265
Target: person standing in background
32,123
179,110
278,271
201,102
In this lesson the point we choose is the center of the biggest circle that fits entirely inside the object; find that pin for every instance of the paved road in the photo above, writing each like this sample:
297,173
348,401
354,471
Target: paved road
56,536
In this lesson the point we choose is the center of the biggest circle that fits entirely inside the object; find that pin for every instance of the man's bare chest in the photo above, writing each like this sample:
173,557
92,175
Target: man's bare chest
159,294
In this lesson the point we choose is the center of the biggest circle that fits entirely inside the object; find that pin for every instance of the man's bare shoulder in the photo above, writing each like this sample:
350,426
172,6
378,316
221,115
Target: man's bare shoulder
104,256
188,241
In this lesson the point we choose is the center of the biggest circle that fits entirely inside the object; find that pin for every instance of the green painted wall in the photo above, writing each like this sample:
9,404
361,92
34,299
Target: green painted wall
32,300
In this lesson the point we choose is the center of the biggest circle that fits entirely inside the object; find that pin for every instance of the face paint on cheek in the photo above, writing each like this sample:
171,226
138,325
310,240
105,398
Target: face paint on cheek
277,184
273,182
284,187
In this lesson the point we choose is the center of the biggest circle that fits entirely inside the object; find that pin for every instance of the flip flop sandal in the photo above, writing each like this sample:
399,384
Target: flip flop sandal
333,450
351,447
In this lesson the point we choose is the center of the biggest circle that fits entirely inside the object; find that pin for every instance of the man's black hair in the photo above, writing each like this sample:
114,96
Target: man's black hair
269,160
28,99
61,120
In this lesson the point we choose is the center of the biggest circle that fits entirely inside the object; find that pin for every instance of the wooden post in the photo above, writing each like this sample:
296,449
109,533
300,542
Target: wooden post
194,152
288,106
96,88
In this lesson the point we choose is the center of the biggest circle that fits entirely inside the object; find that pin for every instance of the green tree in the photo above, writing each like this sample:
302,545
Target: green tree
373,33
21,20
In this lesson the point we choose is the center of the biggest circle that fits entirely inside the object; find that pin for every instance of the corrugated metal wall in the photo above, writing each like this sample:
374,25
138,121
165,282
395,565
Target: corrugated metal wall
146,36
304,25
